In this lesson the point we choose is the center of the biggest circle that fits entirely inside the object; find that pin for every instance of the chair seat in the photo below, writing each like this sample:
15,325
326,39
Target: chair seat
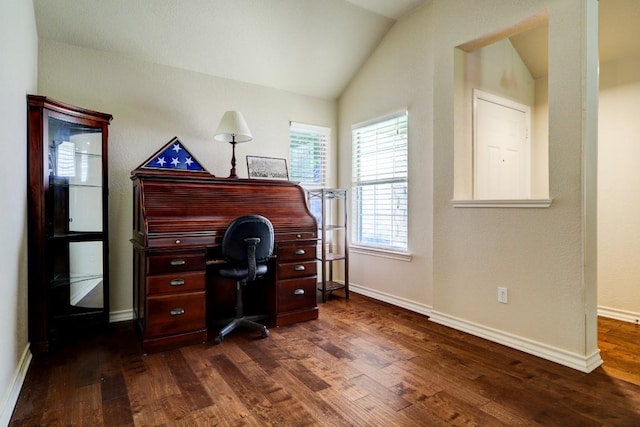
240,272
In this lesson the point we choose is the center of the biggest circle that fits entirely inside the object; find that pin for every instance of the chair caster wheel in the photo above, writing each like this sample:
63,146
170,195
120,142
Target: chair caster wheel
218,339
265,333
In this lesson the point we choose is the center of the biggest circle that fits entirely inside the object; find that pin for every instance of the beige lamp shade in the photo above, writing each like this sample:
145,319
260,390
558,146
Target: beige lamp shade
233,128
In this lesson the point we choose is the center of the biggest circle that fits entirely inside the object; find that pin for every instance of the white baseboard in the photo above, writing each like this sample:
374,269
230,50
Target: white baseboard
563,357
9,403
391,299
121,315
623,315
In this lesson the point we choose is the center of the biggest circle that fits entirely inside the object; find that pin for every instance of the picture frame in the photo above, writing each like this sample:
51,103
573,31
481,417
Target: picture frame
267,168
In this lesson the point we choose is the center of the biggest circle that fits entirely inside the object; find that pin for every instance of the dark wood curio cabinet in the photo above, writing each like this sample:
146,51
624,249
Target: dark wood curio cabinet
67,219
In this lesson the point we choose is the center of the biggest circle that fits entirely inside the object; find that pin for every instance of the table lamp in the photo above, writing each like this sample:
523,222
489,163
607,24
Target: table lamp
233,129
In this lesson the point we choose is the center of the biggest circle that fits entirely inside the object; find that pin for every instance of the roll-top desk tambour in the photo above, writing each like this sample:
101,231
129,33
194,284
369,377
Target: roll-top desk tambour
179,219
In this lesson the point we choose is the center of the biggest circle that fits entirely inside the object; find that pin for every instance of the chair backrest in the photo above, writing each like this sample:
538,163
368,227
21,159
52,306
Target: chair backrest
234,247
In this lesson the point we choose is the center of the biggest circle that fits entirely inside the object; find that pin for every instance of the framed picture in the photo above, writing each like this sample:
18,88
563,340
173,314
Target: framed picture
267,168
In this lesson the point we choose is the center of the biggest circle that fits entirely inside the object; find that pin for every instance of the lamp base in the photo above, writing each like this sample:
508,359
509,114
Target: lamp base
232,173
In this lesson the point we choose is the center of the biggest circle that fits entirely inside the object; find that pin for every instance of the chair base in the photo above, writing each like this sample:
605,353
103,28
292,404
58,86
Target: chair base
246,321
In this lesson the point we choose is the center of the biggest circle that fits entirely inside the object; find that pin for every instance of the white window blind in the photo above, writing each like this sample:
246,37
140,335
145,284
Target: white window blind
379,187
307,153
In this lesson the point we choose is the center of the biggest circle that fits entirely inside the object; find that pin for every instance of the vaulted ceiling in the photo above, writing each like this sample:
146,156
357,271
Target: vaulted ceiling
310,47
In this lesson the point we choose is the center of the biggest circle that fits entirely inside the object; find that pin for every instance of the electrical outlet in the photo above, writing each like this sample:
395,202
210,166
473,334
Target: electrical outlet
502,295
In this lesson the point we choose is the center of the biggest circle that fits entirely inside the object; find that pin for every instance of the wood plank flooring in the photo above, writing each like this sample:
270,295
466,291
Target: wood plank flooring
362,363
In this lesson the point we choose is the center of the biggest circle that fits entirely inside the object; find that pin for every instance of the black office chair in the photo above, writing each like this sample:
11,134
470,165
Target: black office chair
246,246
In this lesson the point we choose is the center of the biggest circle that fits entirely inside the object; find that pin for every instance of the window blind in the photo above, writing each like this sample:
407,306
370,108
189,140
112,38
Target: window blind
307,153
379,185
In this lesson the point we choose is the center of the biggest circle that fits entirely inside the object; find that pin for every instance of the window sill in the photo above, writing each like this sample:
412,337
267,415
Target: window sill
506,203
383,253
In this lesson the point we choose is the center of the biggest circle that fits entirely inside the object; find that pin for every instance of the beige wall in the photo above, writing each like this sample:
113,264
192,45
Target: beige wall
18,77
398,75
462,255
150,105
538,254
618,196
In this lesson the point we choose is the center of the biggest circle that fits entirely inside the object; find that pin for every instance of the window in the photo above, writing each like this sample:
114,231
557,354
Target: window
307,154
379,187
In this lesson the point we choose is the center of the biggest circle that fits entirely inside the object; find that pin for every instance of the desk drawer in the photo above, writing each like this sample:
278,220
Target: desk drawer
300,251
297,294
288,270
170,263
175,314
176,282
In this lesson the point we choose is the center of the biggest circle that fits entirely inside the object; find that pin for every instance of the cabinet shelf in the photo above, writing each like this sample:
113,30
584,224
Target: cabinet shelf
78,236
329,206
67,279
70,185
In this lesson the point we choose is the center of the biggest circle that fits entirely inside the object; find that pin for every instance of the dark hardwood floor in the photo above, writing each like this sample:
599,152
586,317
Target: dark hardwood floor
362,363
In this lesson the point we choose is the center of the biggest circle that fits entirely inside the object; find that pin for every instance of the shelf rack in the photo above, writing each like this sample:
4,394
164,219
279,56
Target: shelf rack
329,205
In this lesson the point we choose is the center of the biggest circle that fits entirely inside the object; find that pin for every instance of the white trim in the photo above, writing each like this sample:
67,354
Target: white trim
121,315
580,362
306,127
391,299
506,203
383,253
381,118
11,398
617,314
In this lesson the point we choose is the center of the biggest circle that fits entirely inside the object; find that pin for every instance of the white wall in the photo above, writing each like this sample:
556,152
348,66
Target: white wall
18,77
150,105
398,75
545,257
618,195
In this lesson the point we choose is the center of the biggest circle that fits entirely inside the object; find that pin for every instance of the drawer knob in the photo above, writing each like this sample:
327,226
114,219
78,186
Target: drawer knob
300,252
177,311
299,236
177,282
299,268
298,292
178,262
178,241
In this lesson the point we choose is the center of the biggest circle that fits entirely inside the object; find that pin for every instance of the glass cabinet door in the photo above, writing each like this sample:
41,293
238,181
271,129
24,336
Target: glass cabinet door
75,180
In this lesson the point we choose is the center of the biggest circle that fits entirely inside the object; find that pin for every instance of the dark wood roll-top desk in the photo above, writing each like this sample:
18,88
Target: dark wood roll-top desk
179,219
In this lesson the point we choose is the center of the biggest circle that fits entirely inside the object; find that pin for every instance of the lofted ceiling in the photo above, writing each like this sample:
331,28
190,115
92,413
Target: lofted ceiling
310,47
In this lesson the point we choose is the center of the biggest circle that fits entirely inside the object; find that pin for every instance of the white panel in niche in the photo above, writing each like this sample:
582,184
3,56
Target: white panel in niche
502,148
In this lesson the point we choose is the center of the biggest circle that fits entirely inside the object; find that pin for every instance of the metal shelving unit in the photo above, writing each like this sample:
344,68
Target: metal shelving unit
329,205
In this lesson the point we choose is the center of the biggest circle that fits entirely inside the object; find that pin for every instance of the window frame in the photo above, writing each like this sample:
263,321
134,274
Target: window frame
391,182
